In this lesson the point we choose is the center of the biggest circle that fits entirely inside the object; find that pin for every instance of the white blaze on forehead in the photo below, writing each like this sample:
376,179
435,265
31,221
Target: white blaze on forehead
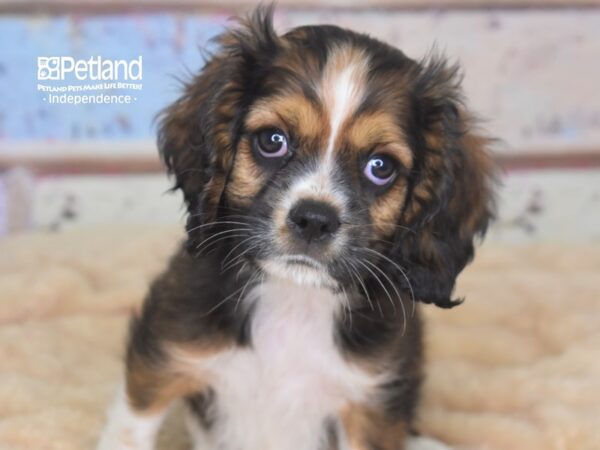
342,90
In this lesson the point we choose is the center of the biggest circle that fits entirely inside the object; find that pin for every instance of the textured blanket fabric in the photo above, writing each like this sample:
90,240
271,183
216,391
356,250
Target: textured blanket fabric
516,367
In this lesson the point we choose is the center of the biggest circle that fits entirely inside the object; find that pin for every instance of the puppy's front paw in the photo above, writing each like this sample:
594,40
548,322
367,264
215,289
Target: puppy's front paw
116,437
113,439
127,429
425,443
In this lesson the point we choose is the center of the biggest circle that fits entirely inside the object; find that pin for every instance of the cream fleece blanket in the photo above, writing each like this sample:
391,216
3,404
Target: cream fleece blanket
516,367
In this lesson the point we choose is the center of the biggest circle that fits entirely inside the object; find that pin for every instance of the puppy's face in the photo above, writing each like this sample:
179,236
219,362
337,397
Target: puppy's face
329,158
322,161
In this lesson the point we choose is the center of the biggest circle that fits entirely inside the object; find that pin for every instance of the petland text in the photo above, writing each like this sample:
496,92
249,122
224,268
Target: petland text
96,68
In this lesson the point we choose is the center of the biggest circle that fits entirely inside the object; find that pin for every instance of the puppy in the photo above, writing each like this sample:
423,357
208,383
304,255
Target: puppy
332,183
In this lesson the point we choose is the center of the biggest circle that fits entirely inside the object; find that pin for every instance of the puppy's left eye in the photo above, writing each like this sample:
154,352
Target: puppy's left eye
380,169
271,143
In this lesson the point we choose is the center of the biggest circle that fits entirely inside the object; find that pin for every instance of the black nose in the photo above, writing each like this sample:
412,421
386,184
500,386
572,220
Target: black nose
313,221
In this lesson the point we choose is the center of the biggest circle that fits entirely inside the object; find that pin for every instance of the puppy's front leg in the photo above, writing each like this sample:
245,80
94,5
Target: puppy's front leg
128,428
152,383
367,427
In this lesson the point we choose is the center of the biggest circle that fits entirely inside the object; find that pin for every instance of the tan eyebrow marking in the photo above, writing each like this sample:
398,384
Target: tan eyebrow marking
379,129
287,110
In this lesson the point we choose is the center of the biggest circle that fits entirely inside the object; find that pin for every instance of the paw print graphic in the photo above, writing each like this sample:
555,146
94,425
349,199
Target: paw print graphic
48,68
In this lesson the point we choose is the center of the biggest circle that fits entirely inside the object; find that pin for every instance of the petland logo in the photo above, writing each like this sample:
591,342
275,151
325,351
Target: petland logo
63,80
62,68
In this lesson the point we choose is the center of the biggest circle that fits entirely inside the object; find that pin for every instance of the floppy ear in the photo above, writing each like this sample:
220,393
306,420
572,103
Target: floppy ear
198,133
450,200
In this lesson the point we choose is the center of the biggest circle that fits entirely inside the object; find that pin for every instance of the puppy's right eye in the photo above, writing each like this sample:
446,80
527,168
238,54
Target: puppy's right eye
380,170
271,143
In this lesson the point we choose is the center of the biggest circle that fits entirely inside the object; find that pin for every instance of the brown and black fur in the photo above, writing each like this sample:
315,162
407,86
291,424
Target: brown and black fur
421,230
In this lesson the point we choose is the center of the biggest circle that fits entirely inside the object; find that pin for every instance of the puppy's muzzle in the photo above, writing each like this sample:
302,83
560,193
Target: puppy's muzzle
313,221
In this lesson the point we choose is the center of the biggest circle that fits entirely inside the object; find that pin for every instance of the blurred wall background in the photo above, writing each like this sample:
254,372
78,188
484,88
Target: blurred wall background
532,70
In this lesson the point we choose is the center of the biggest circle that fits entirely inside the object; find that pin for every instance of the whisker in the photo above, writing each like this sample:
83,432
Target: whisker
400,269
245,217
224,262
346,306
251,279
244,266
404,324
218,222
251,221
232,265
372,225
212,236
238,257
215,242
380,283
364,288
214,308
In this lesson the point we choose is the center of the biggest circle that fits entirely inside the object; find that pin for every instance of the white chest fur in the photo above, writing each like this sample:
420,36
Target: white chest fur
278,393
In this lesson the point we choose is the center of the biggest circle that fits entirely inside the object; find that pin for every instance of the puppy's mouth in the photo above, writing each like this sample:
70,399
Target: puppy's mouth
301,269
303,260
